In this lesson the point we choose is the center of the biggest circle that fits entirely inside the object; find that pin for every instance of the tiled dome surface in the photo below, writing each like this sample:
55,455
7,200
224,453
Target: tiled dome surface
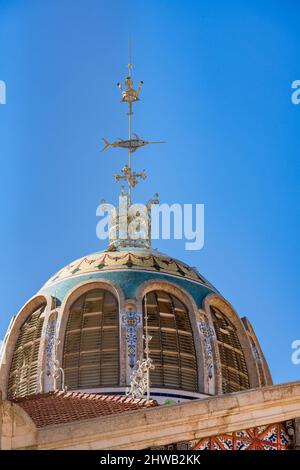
129,259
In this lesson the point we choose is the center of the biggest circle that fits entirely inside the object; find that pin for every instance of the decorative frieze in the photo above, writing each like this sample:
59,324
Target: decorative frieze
267,437
131,321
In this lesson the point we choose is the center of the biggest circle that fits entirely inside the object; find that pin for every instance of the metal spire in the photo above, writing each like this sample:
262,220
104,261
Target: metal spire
134,142
130,95
130,121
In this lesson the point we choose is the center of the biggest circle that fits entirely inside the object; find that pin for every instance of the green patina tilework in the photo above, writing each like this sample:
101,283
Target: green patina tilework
129,282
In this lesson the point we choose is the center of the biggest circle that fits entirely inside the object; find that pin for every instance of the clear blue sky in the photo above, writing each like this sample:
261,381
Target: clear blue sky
217,88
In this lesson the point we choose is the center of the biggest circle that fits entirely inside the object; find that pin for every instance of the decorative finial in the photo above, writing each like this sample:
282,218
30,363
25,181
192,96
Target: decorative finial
130,95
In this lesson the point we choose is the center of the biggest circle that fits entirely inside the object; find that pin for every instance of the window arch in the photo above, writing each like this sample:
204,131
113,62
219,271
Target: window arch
23,376
235,375
172,346
91,347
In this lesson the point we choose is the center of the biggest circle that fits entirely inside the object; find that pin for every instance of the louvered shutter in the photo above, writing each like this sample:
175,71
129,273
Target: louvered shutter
23,377
172,346
91,348
235,375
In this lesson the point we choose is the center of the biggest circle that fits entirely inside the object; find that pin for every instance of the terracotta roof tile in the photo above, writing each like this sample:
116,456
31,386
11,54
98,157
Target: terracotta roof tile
46,409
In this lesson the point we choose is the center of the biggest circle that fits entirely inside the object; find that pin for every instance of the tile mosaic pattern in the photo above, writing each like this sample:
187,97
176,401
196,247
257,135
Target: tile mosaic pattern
131,321
106,261
269,437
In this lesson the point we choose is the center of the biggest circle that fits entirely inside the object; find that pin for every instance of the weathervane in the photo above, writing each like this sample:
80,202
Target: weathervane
134,142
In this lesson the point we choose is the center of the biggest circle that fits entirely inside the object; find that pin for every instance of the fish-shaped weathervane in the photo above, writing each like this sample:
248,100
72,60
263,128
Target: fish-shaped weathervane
131,144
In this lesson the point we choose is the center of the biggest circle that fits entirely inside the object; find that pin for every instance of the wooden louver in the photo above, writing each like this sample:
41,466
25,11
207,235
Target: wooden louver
91,347
235,375
172,346
23,377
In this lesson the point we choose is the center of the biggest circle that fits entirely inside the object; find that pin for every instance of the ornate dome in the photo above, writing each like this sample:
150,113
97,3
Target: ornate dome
97,319
84,331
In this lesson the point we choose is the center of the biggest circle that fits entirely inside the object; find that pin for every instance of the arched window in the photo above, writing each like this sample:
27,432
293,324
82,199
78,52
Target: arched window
235,375
172,346
23,377
91,348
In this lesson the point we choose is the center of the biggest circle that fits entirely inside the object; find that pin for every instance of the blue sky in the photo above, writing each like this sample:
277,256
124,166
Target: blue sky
217,87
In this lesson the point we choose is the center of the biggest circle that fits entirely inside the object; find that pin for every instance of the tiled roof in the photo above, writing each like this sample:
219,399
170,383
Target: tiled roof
46,409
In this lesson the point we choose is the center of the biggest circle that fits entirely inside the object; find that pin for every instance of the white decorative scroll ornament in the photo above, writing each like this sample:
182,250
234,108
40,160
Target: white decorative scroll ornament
139,384
208,334
140,378
53,370
50,339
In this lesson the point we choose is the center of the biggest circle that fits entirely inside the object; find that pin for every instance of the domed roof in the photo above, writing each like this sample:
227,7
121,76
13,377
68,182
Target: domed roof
100,335
129,258
107,315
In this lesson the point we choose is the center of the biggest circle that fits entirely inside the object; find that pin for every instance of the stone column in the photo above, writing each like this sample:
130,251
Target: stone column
6,424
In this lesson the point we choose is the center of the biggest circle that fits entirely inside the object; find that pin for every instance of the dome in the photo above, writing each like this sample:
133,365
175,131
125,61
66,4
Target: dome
128,258
84,331
99,320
